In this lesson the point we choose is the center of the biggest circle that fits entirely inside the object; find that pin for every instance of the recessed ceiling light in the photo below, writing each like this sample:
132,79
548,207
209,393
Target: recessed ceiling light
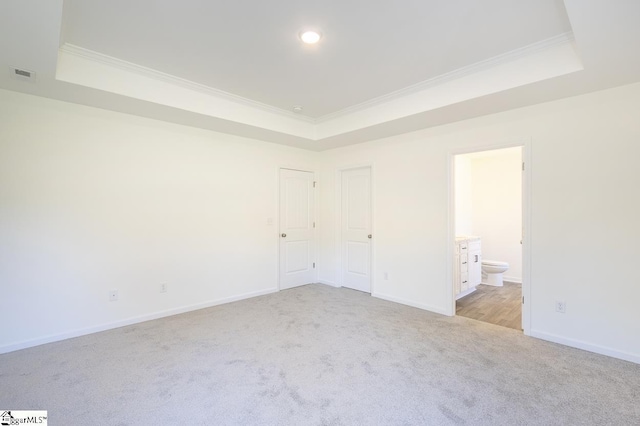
310,37
297,108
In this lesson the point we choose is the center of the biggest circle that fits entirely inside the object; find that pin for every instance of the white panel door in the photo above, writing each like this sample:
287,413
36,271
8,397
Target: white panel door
356,229
297,248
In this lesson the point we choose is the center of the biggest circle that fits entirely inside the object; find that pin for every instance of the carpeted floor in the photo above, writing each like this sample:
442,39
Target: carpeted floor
316,355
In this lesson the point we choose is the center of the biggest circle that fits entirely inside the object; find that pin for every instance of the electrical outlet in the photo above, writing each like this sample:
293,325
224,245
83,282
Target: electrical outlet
561,306
163,287
113,295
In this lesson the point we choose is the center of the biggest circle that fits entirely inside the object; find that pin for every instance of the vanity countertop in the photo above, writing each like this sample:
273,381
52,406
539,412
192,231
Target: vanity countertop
467,238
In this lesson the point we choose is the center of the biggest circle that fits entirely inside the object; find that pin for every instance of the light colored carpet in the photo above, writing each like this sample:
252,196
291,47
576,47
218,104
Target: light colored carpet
316,355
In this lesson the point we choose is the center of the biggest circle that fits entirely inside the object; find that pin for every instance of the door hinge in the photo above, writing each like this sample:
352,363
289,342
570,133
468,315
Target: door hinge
314,224
523,166
523,300
314,265
314,183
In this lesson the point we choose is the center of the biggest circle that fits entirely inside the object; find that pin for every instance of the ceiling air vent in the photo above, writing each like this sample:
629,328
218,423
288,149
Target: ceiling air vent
22,74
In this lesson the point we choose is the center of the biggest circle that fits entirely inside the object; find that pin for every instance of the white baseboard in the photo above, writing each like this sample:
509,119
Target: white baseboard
129,321
435,309
579,344
517,280
465,293
330,283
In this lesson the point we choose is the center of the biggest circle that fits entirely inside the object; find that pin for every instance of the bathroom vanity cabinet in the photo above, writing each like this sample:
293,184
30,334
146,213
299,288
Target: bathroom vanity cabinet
467,266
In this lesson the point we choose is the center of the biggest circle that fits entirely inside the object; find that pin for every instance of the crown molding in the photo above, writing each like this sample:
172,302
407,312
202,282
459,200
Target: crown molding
92,55
495,61
512,55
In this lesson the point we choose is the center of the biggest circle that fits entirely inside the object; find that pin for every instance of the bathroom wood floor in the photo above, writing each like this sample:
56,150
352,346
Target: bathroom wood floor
495,305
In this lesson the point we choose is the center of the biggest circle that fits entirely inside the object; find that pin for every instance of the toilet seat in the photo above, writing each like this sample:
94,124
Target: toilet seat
492,271
494,263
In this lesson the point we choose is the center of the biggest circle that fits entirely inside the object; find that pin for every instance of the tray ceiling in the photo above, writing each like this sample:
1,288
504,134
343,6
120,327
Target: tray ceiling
380,69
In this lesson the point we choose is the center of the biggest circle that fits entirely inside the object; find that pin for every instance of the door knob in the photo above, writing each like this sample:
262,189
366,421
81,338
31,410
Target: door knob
284,235
369,236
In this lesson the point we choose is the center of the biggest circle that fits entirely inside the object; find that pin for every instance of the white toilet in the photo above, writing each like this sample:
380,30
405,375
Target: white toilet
492,271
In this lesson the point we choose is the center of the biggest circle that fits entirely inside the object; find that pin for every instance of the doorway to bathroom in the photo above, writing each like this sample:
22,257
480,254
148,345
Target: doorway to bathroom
489,194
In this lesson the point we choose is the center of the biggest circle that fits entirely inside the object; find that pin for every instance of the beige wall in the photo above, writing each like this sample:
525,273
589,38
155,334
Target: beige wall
583,215
92,200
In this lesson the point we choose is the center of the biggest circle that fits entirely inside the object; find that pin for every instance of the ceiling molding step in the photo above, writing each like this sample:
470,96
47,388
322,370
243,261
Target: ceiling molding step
210,91
521,70
92,55
103,72
510,56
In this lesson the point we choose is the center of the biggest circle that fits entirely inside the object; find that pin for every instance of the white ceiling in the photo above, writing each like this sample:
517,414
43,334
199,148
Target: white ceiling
382,68
251,48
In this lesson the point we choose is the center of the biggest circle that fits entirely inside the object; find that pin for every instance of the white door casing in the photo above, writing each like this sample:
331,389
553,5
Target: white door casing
297,242
356,228
526,225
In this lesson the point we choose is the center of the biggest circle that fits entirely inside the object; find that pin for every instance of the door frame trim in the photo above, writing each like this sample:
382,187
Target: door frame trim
525,143
316,202
338,218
